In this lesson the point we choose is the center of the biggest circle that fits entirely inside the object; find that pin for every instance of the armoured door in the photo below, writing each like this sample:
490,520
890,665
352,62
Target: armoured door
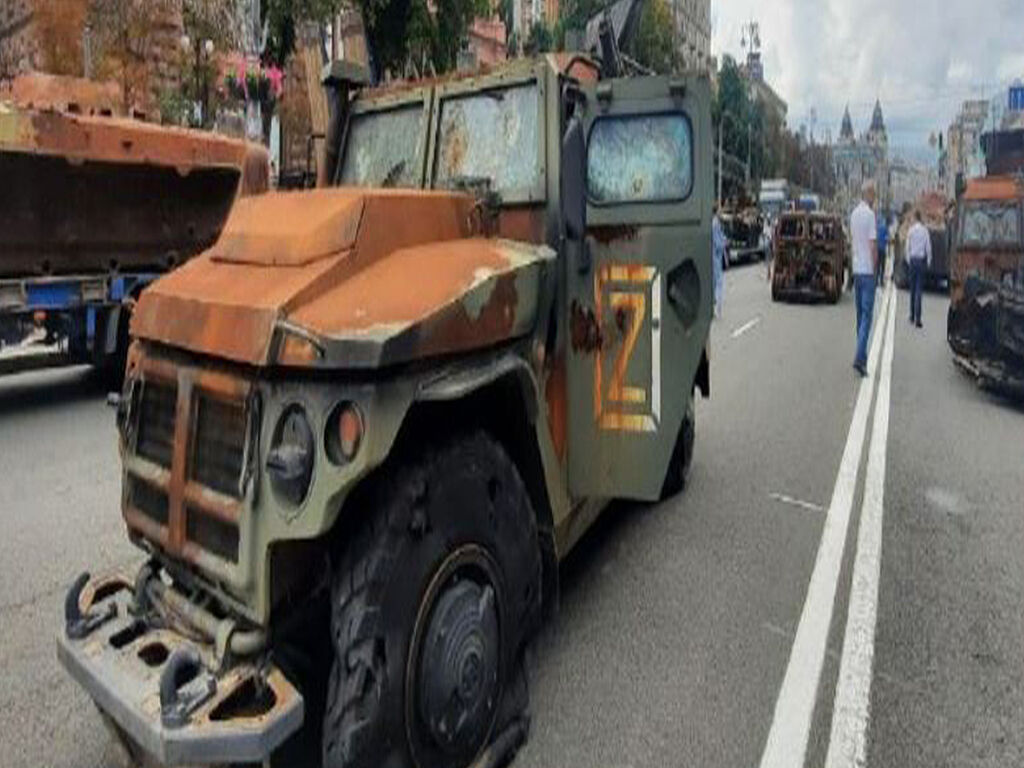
638,298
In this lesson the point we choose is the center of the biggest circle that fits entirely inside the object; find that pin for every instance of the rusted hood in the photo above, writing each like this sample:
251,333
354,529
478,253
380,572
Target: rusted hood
346,278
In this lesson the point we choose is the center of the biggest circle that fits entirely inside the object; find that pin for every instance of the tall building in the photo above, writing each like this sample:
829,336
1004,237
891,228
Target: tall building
692,19
759,88
859,159
965,158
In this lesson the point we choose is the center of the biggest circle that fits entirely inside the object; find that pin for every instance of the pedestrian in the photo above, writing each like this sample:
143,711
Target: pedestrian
882,243
769,246
919,258
863,234
718,256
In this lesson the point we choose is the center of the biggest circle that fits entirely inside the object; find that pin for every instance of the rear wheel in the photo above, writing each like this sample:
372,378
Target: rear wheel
433,601
682,455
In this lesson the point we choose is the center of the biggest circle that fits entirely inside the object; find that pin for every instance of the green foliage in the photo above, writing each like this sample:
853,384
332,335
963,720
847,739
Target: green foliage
540,39
282,17
400,31
575,13
655,44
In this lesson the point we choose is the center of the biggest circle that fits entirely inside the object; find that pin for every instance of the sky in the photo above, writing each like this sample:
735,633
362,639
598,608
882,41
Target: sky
922,58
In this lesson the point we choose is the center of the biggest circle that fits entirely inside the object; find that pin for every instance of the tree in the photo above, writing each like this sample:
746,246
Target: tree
209,27
125,32
654,46
59,28
731,113
540,39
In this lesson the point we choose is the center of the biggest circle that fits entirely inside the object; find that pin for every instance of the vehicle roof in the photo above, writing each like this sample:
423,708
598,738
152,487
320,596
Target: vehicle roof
994,188
576,65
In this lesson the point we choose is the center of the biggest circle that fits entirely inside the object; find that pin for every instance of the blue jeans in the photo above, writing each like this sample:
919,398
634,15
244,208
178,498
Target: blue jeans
916,267
864,287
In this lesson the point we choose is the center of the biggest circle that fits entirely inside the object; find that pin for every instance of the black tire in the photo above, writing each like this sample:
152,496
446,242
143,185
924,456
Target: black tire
682,455
441,523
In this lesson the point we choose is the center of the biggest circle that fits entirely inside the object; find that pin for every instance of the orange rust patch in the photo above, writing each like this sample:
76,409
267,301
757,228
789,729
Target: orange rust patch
555,395
524,224
119,140
994,188
404,287
36,90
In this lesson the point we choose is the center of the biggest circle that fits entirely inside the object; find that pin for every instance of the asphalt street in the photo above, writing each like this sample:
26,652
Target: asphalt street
674,643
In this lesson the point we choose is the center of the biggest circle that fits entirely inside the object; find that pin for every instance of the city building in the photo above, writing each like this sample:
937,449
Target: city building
858,159
965,158
1013,116
760,90
692,20
909,181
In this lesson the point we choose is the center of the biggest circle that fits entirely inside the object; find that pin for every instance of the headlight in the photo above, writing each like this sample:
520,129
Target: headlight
291,456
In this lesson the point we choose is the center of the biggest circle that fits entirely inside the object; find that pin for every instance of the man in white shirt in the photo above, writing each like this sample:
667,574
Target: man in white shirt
919,258
863,233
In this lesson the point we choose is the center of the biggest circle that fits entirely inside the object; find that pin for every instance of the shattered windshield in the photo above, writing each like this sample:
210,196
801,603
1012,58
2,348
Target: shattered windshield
986,224
491,135
385,148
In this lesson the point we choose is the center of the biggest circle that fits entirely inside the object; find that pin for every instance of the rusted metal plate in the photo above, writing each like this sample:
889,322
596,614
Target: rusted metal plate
38,90
294,248
92,194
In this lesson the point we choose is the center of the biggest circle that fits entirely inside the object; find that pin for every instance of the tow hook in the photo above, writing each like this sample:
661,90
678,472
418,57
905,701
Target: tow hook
78,624
184,687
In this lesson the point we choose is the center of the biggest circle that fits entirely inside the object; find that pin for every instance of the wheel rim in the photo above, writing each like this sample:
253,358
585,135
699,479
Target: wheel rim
453,673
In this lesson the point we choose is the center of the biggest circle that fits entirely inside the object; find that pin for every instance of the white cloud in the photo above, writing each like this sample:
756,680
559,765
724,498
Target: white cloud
920,57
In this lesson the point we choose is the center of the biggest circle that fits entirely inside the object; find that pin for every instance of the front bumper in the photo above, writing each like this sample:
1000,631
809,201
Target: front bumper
166,692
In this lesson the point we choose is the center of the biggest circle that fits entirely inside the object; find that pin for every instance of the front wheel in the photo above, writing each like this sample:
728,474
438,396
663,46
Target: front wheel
433,601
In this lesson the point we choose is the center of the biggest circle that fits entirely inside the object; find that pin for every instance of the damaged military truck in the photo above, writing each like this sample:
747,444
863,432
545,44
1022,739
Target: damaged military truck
985,325
810,257
359,433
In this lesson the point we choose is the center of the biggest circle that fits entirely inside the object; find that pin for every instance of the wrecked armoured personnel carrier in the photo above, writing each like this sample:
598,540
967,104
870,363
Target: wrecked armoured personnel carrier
810,257
985,325
359,433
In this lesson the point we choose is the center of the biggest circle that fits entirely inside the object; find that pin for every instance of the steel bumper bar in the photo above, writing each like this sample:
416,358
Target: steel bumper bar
164,691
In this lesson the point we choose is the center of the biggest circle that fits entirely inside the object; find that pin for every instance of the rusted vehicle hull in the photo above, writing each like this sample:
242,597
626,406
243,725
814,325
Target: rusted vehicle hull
985,329
810,258
985,324
83,195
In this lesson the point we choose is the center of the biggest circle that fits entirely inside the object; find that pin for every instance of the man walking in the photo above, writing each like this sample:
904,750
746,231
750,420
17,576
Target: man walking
863,234
919,258
883,243
718,246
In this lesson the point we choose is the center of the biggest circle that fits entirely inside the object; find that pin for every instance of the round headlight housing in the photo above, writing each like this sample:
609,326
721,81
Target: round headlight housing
291,456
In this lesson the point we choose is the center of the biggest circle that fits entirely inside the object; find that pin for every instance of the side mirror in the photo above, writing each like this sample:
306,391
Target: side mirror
573,181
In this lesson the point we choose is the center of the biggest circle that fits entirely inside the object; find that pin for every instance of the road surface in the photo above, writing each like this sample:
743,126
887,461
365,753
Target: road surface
710,630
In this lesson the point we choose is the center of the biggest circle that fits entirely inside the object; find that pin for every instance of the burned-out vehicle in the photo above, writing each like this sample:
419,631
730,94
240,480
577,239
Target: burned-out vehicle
985,325
810,257
360,432
743,226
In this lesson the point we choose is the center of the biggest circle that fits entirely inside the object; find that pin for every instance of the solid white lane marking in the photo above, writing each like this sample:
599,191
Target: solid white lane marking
847,746
746,327
786,746
808,505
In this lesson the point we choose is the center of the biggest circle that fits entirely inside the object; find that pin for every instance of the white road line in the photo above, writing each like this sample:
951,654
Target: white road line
847,746
786,746
746,327
783,498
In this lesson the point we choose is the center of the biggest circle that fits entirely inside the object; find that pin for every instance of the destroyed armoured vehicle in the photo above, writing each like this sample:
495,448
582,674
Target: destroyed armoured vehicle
810,257
933,208
985,325
359,433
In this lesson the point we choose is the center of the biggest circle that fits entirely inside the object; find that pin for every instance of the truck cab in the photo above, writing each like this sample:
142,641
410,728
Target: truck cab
359,433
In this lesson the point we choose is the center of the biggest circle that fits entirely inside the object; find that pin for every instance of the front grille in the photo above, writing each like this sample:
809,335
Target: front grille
148,499
212,534
219,450
156,422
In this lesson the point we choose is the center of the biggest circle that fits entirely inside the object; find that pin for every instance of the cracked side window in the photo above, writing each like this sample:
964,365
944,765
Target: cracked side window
492,135
385,148
647,158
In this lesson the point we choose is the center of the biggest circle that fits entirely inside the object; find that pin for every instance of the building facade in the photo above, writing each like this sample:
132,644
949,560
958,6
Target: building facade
965,158
692,19
859,159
